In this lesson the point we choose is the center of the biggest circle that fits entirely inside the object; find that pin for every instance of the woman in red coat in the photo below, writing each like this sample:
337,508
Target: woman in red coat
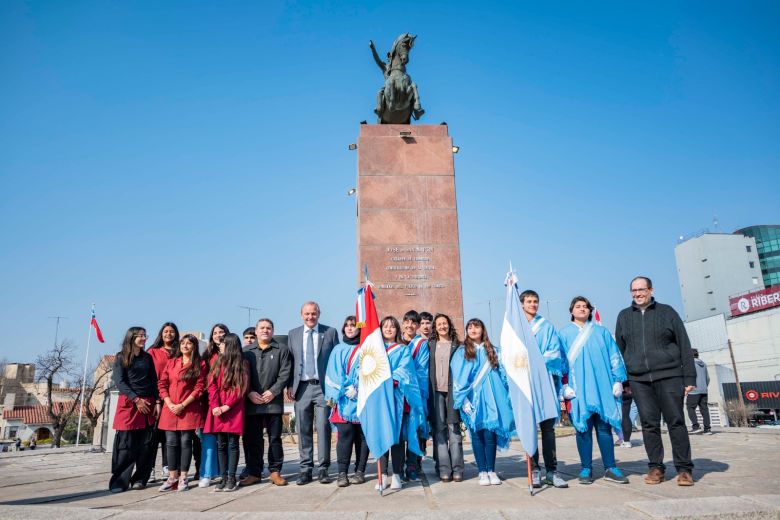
136,410
164,348
228,382
181,384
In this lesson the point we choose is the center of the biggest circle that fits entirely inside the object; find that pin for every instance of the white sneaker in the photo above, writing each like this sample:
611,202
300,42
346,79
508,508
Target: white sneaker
165,470
484,480
396,483
494,480
152,476
625,444
204,482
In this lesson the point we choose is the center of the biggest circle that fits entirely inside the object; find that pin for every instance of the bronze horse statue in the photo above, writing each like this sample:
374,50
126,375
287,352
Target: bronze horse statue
398,100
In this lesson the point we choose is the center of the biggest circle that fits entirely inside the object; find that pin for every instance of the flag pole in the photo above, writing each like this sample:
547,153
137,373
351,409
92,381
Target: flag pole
379,474
84,378
530,479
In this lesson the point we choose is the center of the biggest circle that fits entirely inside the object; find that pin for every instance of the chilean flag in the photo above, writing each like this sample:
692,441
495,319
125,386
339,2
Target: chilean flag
94,323
375,403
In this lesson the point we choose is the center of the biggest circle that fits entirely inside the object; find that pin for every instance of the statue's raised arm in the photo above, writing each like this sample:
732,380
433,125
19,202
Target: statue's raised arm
381,64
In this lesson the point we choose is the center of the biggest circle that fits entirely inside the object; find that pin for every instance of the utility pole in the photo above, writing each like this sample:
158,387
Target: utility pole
249,313
57,329
742,409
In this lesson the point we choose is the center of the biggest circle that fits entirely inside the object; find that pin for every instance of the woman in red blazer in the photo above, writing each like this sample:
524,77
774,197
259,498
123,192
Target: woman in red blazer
164,348
228,382
181,385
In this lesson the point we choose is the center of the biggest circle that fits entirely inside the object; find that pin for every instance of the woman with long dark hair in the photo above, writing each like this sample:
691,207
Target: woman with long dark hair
205,445
341,391
228,382
137,409
596,374
481,393
164,348
181,385
442,415
406,393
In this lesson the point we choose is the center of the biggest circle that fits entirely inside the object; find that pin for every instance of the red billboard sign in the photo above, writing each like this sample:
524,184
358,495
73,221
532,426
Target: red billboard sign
755,301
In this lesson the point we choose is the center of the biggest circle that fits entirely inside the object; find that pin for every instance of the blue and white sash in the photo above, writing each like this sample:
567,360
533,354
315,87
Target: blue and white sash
538,321
579,342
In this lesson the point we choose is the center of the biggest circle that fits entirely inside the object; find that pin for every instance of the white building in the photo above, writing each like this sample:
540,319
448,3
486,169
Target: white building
755,341
712,267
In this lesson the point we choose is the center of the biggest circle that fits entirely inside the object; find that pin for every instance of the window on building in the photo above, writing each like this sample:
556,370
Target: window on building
12,431
755,281
706,276
752,264
709,292
748,248
703,259
712,308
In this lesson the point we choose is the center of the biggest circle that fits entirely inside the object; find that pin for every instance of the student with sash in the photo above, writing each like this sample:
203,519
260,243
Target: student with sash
596,374
406,396
420,356
341,393
181,385
205,445
136,411
164,348
228,381
550,347
442,415
481,394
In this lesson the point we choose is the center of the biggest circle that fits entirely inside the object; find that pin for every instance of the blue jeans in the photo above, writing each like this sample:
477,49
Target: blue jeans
483,444
604,439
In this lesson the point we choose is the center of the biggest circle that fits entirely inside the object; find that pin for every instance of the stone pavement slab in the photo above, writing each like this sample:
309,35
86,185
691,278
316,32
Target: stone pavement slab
736,476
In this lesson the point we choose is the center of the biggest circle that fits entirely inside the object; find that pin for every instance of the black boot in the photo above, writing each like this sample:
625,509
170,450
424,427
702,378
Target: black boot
342,481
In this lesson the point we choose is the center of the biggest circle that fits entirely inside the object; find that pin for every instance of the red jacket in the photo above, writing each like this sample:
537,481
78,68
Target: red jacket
160,357
178,390
231,421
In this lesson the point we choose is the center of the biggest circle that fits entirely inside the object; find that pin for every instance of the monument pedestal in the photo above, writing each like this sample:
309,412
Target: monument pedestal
408,219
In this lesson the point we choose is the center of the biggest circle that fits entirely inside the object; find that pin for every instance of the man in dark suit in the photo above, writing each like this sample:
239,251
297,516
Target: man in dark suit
310,346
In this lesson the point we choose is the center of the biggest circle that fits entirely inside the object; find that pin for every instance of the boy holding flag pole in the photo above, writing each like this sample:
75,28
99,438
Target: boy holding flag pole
531,388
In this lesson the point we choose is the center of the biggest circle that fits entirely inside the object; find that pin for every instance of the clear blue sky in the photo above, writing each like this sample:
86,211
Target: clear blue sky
174,160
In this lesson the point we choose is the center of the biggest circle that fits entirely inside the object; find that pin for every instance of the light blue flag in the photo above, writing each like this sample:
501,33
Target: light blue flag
531,387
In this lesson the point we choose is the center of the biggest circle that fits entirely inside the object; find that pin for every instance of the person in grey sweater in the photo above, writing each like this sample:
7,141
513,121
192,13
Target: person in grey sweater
698,397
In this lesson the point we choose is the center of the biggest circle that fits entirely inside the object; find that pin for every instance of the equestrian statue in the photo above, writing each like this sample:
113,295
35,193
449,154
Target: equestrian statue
398,100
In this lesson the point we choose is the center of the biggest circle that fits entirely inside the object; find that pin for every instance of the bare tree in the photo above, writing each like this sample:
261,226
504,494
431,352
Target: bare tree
55,364
95,387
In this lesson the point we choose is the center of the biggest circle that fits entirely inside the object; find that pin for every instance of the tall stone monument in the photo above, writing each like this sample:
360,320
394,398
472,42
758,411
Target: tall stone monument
408,219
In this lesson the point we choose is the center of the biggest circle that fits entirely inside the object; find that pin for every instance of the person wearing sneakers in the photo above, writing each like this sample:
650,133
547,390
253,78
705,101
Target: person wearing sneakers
596,374
659,360
698,397
421,358
481,393
181,385
550,347
270,367
341,394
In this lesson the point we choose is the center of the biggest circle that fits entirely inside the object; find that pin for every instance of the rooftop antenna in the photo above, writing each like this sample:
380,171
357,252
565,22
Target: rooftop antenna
715,225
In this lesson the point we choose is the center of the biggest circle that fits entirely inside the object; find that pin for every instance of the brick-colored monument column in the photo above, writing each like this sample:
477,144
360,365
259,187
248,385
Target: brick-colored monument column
408,219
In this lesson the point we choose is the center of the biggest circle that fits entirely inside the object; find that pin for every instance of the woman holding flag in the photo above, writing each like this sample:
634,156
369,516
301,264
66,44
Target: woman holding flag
596,374
341,391
406,393
481,393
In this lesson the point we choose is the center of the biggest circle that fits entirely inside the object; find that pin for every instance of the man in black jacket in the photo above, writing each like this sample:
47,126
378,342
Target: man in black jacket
659,361
270,365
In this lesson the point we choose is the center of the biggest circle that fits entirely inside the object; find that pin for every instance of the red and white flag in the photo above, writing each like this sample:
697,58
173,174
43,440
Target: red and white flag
94,324
596,316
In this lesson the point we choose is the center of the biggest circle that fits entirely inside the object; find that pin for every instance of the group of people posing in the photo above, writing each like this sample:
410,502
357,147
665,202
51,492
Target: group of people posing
199,405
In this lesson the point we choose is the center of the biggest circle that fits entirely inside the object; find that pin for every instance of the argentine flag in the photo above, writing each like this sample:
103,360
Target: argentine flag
375,403
531,387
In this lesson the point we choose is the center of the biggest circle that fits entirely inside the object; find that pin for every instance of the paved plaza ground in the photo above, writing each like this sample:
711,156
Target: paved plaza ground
737,476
